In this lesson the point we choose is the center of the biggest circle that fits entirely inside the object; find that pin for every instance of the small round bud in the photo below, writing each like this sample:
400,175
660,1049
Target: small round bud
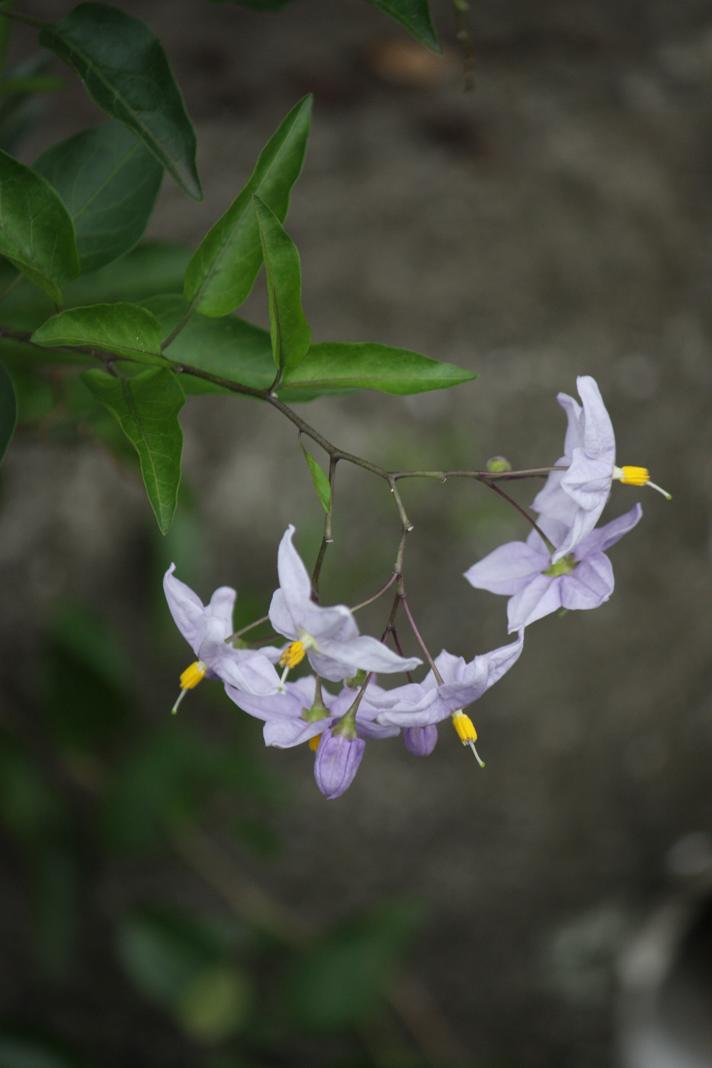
420,741
497,464
336,763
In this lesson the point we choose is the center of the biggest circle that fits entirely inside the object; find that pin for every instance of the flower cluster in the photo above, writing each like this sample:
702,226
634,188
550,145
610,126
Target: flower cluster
562,565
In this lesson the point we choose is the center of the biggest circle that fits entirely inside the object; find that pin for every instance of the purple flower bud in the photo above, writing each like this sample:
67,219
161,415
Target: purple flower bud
336,763
420,741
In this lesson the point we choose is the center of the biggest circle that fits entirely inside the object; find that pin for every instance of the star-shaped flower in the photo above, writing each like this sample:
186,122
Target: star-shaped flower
418,707
577,495
206,628
329,637
538,582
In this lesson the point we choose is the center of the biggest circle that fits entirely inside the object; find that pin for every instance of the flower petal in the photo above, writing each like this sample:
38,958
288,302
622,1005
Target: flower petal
247,670
287,732
599,440
285,704
185,606
508,568
221,607
589,585
294,579
363,652
601,539
537,599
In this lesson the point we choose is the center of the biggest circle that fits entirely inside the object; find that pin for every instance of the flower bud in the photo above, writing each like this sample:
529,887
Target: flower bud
496,464
336,763
420,741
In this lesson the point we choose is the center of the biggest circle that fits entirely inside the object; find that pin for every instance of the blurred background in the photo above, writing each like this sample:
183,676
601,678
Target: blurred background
174,895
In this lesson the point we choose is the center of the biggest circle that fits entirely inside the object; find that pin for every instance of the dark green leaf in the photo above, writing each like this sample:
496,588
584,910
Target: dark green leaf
228,347
147,408
339,366
123,329
85,679
27,1053
54,907
225,265
30,808
289,330
36,233
8,410
415,16
126,72
108,181
162,785
320,480
144,272
339,982
181,963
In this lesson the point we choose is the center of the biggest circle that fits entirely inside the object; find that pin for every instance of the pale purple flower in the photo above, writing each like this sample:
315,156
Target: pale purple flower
422,704
293,716
577,495
206,628
329,637
337,760
538,582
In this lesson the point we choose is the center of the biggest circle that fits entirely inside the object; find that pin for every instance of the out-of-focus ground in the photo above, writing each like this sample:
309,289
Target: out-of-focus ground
554,221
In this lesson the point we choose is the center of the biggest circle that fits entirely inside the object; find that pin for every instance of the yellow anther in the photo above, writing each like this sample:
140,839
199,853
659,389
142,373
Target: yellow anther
465,730
464,727
314,742
293,654
189,679
192,675
630,475
634,476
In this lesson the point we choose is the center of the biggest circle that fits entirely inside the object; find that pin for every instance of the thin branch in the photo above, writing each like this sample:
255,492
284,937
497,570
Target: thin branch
523,512
379,593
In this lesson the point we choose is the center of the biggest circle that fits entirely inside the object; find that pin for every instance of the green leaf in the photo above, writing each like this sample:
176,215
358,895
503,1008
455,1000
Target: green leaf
108,181
147,408
229,347
84,679
36,233
27,1053
415,16
320,480
340,981
340,366
126,72
289,330
124,329
225,265
8,410
182,964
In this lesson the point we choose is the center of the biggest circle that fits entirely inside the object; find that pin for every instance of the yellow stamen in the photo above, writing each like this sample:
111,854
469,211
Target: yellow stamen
465,730
314,742
293,654
634,476
630,475
189,679
192,675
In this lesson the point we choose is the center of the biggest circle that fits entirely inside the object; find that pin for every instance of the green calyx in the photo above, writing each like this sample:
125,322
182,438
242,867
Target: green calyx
564,566
346,727
315,713
357,680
